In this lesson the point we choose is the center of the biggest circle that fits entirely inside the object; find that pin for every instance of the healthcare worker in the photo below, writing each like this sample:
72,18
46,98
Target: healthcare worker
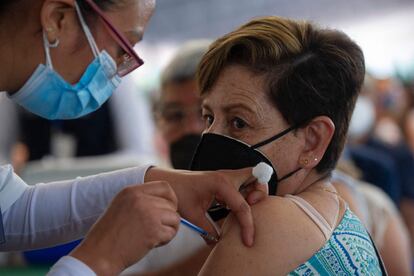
62,59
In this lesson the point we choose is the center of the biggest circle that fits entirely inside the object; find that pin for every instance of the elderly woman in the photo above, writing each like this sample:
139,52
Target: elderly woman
283,92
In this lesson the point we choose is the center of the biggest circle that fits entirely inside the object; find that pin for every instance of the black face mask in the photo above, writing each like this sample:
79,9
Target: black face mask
182,151
218,152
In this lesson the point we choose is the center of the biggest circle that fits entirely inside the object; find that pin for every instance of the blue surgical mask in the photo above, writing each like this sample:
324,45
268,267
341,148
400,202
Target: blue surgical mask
48,95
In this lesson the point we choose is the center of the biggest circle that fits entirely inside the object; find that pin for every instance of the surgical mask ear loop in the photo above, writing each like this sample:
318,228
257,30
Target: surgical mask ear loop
47,45
87,32
55,44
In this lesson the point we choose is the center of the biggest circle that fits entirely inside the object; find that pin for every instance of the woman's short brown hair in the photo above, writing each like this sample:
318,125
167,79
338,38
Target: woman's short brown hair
309,71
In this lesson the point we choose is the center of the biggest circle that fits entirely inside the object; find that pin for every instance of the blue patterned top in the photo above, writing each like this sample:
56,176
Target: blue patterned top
349,251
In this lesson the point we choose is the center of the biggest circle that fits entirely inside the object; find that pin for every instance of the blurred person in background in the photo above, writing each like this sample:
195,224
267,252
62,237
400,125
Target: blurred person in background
408,119
372,205
379,215
376,166
407,203
379,148
177,108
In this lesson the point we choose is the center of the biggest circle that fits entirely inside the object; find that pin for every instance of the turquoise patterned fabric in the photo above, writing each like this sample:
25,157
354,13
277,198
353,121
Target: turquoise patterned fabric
349,251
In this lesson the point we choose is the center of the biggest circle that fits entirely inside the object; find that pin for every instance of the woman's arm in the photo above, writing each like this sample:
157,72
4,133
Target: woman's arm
279,248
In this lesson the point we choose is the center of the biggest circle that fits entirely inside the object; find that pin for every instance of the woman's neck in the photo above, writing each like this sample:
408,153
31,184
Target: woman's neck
316,181
307,181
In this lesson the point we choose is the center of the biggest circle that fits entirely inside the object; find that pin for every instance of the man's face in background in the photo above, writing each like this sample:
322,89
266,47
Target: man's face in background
179,121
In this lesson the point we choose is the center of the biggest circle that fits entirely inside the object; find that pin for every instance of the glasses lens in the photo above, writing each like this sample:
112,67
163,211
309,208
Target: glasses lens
130,60
127,65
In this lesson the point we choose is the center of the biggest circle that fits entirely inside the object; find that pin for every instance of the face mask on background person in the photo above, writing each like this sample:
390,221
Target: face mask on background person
48,95
182,151
218,152
362,120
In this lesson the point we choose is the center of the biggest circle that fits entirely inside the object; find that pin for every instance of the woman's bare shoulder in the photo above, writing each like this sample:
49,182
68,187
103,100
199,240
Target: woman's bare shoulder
284,238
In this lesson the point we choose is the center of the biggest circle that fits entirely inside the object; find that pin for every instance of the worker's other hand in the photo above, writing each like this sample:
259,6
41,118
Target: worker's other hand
138,219
197,190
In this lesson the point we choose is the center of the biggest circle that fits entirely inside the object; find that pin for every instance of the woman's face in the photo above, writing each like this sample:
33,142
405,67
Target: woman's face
130,18
238,106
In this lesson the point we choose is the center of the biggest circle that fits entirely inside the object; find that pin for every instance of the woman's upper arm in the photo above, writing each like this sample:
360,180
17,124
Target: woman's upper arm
275,251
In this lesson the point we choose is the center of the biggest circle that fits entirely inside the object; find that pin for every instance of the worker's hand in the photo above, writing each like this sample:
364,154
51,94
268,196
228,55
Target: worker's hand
138,219
197,190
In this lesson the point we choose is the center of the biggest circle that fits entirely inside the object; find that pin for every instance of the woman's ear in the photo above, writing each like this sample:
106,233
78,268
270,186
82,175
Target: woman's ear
58,17
318,134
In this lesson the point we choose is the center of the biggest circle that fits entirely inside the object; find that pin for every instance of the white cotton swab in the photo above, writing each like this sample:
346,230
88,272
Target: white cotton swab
263,172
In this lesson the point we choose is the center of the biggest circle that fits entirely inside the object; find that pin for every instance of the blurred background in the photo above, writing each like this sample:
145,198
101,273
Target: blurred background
123,133
383,28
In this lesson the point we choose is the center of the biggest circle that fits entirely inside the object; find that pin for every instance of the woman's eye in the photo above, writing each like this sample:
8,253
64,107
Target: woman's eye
208,119
238,123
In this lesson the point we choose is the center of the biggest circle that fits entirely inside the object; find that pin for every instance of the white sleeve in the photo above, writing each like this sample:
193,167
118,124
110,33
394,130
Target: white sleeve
58,212
11,187
69,266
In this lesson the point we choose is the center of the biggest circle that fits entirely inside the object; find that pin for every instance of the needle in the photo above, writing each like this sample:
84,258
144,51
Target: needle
203,233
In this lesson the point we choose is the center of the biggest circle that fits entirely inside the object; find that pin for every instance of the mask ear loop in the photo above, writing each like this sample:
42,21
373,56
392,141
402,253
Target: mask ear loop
47,45
87,32
273,138
289,174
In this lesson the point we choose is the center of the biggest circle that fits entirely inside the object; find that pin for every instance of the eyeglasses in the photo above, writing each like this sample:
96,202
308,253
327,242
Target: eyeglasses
177,114
130,59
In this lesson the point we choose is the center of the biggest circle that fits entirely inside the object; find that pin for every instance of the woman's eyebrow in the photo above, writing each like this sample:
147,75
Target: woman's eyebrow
245,107
229,107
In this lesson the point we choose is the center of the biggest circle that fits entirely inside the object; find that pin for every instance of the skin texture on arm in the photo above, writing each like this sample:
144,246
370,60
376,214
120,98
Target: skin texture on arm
282,235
